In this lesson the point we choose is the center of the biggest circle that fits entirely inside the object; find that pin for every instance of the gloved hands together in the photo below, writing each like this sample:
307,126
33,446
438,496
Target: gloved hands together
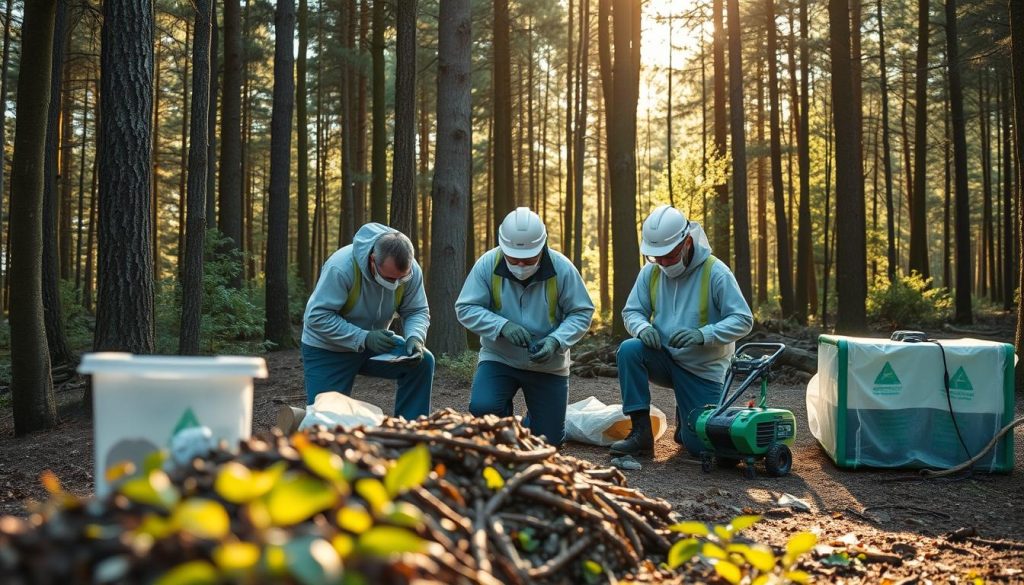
381,341
686,338
517,334
543,349
414,348
650,338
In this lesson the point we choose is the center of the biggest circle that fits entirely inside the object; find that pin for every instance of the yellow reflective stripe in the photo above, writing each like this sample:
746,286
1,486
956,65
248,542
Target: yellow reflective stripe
705,289
399,295
496,283
652,286
552,297
353,293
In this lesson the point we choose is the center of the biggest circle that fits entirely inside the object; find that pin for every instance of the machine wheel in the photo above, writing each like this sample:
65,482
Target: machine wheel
727,462
706,462
778,460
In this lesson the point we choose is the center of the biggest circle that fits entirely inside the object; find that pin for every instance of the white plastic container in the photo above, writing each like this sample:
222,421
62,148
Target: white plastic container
139,402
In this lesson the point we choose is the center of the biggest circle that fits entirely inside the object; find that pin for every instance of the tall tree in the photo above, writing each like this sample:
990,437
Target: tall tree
740,221
403,176
195,218
570,108
302,137
504,180
1008,244
582,98
918,255
851,254
229,220
453,164
1017,61
124,315
807,290
3,137
762,194
886,147
348,203
279,326
379,184
56,336
211,121
962,223
784,267
31,388
720,231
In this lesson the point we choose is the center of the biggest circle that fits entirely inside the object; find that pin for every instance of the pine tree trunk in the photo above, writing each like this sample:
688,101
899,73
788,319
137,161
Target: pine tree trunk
580,126
81,190
124,316
302,137
379,185
32,396
183,167
985,243
962,228
229,220
154,204
762,194
424,170
211,121
887,149
90,245
851,262
918,254
504,179
3,148
805,272
569,198
740,220
1017,60
1009,252
452,175
403,175
783,266
195,230
720,231
361,112
66,164
348,223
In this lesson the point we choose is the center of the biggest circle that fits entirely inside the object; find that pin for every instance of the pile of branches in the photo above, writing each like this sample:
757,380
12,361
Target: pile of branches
490,504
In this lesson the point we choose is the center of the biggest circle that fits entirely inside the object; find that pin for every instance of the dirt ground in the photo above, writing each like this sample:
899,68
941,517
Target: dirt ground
899,521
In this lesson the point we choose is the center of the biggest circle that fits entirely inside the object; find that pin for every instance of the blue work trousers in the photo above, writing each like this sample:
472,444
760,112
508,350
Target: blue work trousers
547,395
639,365
327,370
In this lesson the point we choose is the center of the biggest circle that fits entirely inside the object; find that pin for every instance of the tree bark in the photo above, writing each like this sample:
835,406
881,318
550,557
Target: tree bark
504,179
302,137
279,326
580,130
784,267
195,229
570,108
452,175
348,204
66,164
851,261
124,316
918,254
720,232
211,121
229,221
1017,61
762,194
740,221
379,185
32,396
962,228
886,149
403,175
807,291
183,167
1009,278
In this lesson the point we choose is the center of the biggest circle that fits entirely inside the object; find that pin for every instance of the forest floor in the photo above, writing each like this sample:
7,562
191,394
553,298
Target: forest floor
909,529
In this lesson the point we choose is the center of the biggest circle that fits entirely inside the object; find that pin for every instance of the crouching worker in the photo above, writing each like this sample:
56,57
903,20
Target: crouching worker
361,288
529,305
685,311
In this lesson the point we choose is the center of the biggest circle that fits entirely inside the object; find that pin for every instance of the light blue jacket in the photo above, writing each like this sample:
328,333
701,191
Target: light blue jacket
678,307
526,306
324,326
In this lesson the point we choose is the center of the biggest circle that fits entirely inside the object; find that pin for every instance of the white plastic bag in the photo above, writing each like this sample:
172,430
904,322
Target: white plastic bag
592,421
334,408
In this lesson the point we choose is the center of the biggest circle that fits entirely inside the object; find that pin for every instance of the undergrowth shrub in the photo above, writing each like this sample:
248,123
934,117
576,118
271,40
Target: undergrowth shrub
909,301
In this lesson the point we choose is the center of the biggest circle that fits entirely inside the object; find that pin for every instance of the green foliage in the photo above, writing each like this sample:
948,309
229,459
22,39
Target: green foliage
909,301
78,323
693,183
462,367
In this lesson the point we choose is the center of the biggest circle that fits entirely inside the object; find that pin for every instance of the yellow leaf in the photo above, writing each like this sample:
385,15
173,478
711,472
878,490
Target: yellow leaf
155,460
354,519
374,492
694,528
343,544
276,560
493,477
682,551
387,540
203,518
723,533
50,482
156,526
404,514
713,551
798,576
760,557
743,522
411,470
191,573
258,514
728,571
324,463
297,497
762,580
154,489
119,470
238,484
236,556
800,543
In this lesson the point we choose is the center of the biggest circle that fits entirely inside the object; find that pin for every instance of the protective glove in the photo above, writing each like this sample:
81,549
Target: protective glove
543,349
650,338
686,338
517,334
414,348
381,341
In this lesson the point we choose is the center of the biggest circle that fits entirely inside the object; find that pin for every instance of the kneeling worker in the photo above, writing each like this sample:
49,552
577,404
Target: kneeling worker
686,311
361,288
529,305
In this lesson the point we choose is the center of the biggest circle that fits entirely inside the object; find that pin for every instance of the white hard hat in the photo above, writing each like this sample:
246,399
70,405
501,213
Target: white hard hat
522,234
663,229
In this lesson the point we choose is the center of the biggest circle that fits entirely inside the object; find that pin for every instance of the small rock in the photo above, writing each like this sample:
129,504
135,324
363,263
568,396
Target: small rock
790,501
627,463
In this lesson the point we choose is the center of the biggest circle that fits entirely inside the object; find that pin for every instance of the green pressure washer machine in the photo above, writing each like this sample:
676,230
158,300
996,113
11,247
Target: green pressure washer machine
731,434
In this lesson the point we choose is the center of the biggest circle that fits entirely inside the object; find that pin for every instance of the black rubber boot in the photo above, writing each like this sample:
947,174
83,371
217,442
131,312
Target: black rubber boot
640,441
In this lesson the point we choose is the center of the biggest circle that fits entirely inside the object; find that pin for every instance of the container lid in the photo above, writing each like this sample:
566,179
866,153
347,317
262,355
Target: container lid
172,365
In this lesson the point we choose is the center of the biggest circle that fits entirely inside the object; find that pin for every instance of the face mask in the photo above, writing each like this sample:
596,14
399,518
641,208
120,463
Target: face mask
387,283
673,270
522,272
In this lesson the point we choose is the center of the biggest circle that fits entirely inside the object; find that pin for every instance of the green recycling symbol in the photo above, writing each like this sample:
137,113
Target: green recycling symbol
887,376
960,381
188,420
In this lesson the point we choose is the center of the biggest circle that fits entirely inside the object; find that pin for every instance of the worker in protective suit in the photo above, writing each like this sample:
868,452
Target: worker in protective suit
361,288
685,313
529,305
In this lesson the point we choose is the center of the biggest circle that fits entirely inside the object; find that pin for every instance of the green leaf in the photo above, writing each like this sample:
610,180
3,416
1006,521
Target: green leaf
740,523
493,478
355,519
190,573
410,471
760,557
382,541
312,561
592,572
404,514
238,484
837,560
800,543
375,494
728,571
324,463
154,461
682,551
235,557
297,497
203,518
692,528
153,489
526,540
